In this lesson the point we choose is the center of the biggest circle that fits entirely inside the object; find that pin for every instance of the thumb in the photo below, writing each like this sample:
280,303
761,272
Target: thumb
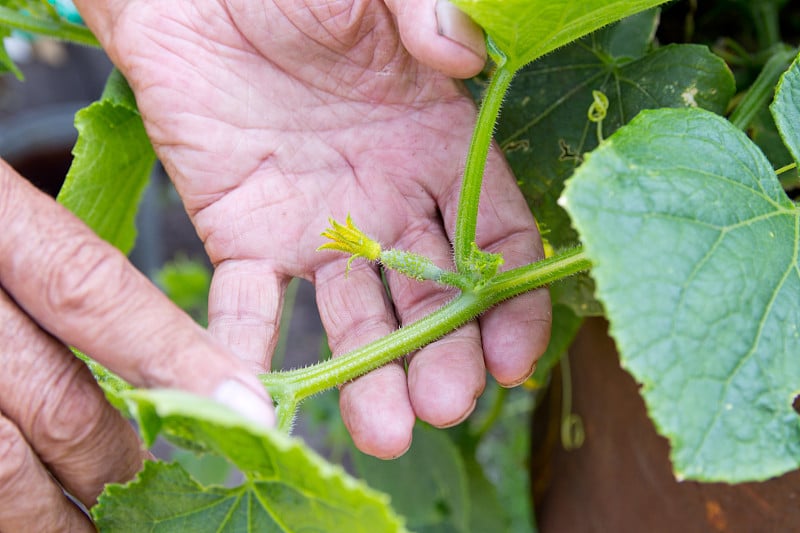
85,293
440,36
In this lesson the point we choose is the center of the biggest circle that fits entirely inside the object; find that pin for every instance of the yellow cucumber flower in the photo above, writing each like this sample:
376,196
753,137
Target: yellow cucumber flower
347,238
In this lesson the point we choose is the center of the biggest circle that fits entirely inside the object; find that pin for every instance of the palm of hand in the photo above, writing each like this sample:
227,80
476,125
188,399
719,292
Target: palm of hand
271,121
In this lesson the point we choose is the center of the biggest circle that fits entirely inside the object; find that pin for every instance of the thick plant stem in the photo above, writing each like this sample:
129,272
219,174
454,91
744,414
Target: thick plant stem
467,217
59,29
296,385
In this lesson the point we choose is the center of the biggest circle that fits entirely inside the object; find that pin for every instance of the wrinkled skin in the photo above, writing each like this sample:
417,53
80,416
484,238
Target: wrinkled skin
273,116
270,117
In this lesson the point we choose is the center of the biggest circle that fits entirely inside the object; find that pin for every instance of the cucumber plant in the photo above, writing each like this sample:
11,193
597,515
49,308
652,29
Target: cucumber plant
634,174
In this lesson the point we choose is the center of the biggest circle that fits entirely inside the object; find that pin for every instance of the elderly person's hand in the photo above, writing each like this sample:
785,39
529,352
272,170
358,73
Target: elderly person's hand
60,285
270,117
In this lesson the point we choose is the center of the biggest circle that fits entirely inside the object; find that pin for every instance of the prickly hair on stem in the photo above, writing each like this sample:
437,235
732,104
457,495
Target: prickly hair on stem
347,238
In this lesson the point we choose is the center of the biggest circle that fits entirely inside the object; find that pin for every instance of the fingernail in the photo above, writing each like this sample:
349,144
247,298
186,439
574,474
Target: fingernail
246,401
461,418
459,28
521,380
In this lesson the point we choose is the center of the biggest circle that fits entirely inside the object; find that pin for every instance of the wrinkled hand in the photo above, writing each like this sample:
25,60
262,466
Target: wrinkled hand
271,117
60,285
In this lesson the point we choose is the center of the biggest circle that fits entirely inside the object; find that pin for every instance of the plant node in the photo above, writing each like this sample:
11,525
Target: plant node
483,265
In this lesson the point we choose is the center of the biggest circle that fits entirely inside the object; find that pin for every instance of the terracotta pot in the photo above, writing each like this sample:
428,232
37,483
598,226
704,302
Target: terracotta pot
621,480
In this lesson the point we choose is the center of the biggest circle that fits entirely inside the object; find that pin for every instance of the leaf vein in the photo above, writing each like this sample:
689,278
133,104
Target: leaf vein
756,340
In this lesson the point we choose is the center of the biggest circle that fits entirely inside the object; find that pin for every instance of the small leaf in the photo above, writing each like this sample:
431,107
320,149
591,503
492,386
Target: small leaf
112,165
695,247
287,486
524,30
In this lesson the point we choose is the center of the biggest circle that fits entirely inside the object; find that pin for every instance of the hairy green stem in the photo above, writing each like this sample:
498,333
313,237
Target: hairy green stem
58,29
294,386
467,217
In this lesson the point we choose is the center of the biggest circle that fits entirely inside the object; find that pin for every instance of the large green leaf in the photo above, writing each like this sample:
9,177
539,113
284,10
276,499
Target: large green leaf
695,247
524,30
544,129
287,486
112,165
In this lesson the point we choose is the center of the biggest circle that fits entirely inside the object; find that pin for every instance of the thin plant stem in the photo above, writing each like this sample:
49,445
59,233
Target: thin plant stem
467,218
494,413
58,29
572,432
786,168
295,385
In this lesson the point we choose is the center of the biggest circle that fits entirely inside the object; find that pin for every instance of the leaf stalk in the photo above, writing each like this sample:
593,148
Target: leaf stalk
467,218
294,386
56,28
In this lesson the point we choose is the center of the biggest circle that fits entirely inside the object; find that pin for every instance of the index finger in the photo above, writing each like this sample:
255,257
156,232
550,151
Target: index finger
86,293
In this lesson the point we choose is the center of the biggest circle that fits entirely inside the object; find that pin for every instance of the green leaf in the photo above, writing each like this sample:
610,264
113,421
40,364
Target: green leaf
287,486
112,165
695,247
113,386
544,129
6,63
486,511
40,17
37,8
577,293
504,454
524,30
206,469
428,485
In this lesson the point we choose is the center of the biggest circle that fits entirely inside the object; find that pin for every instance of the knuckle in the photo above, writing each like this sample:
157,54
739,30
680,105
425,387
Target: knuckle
70,417
80,275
